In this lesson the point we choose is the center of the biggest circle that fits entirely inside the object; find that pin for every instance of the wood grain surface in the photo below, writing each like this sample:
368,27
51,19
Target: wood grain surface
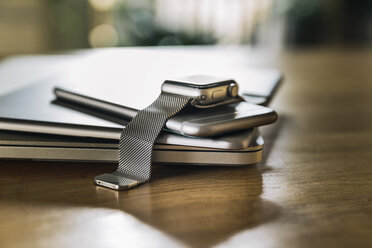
313,189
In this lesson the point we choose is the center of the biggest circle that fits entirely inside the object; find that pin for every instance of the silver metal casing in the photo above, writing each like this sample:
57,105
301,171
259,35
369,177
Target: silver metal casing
207,91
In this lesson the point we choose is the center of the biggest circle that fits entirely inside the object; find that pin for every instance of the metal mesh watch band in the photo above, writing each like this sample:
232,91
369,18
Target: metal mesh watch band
137,140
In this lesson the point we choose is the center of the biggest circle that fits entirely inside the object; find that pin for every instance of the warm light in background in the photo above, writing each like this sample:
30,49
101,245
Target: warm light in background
103,35
102,5
73,24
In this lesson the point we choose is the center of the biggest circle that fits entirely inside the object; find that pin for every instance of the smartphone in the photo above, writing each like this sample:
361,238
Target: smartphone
189,122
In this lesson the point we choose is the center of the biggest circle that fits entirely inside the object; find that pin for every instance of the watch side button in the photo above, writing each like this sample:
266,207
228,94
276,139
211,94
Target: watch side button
218,95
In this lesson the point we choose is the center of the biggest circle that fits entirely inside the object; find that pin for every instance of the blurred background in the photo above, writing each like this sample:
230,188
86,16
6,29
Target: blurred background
43,26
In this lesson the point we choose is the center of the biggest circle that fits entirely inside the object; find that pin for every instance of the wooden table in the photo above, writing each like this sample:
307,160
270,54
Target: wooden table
313,189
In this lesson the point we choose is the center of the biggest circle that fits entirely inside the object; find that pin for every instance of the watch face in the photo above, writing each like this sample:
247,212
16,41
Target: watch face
201,81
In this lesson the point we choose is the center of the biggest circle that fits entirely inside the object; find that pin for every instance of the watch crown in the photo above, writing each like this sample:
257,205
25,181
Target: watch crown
233,90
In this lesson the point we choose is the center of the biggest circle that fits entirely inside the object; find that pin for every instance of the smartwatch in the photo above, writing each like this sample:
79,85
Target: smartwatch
138,137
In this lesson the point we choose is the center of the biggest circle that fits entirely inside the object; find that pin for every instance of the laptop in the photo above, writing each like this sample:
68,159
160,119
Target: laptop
18,145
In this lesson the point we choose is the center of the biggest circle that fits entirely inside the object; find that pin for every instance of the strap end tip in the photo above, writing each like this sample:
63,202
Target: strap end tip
115,182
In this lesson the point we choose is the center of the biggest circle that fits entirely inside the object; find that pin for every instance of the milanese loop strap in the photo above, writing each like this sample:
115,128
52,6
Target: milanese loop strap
137,140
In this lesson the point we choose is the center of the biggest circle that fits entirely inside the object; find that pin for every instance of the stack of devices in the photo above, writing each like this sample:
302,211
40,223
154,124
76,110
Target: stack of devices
57,119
